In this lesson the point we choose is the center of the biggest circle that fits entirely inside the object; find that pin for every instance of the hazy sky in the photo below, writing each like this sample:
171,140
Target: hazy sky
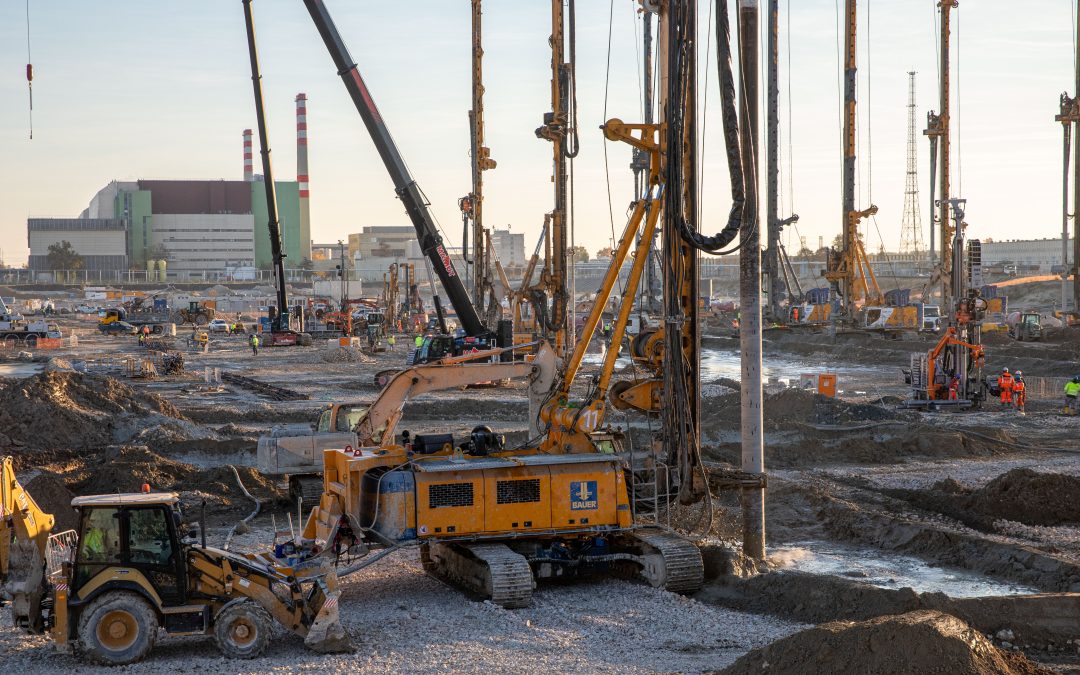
128,89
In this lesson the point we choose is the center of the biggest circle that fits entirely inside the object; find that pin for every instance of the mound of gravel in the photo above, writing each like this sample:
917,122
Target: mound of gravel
58,409
918,642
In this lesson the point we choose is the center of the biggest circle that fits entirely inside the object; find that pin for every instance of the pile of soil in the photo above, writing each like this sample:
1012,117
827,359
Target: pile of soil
917,642
58,409
871,446
52,496
1021,495
127,468
792,405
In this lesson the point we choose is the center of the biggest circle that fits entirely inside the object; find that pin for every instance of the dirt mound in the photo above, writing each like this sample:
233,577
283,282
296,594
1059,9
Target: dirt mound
1021,495
792,405
869,446
126,468
917,642
73,410
53,497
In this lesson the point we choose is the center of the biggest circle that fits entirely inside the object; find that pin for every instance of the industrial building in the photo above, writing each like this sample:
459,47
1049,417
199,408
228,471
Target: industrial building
185,229
1046,253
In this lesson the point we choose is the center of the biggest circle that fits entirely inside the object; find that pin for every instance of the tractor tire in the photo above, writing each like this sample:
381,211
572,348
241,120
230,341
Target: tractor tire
202,319
118,628
242,629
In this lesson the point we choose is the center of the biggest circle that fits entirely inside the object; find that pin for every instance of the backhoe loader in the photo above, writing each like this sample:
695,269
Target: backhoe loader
130,570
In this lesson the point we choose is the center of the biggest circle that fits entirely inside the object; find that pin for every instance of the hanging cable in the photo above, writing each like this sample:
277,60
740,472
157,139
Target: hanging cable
29,71
677,96
607,82
704,118
572,146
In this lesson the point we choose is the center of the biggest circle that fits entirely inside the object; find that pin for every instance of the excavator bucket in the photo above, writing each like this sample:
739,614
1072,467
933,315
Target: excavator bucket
326,634
22,584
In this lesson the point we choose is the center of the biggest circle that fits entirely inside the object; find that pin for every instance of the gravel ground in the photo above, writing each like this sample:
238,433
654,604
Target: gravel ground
401,620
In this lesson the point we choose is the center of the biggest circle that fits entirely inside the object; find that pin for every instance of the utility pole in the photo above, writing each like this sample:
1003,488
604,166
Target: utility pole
772,216
911,225
1076,189
937,129
753,447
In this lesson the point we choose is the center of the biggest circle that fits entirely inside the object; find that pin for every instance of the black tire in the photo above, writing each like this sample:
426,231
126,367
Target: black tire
31,341
118,628
242,629
158,329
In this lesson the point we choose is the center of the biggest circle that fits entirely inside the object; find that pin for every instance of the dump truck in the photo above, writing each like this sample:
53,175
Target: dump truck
293,452
131,570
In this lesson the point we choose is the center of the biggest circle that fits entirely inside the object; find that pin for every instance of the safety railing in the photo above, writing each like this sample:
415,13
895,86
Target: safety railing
59,550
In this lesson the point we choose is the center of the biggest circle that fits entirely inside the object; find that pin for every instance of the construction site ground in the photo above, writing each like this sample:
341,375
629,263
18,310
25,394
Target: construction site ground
872,510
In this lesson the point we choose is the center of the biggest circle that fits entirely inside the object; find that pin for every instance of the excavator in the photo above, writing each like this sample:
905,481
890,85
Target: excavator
131,569
487,517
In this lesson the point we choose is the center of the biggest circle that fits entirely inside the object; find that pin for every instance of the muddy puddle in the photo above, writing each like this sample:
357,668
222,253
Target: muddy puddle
870,566
717,364
20,370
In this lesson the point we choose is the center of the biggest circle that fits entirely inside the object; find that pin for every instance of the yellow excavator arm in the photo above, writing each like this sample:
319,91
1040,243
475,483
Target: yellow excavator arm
19,514
22,557
379,422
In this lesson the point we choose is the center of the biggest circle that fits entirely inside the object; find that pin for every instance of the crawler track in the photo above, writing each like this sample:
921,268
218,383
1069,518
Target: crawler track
492,571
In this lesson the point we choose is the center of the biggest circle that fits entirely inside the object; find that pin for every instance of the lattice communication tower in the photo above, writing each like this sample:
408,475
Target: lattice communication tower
911,240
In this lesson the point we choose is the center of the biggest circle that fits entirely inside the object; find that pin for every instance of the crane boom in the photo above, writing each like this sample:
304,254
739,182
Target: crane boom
405,185
280,321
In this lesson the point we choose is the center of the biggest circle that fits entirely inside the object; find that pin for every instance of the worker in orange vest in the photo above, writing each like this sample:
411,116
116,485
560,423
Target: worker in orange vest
1019,392
795,314
1005,384
954,388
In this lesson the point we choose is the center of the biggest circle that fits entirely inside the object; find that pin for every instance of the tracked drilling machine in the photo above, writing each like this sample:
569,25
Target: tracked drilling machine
950,375
489,517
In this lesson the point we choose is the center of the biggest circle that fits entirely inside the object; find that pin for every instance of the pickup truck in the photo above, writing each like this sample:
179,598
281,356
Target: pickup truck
294,451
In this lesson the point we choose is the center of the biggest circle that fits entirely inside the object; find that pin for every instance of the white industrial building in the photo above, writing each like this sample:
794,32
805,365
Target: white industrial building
1046,253
102,242
204,242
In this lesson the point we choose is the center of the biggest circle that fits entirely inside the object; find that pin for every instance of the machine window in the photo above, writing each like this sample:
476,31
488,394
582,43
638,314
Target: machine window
348,418
100,540
148,538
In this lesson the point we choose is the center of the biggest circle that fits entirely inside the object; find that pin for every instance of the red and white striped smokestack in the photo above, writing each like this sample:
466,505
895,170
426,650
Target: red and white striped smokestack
301,145
249,173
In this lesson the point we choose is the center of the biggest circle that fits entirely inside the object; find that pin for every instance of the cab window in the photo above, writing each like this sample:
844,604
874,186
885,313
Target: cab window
348,418
99,540
324,420
149,542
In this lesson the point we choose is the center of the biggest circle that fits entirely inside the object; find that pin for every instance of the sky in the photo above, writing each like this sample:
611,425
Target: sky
129,89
